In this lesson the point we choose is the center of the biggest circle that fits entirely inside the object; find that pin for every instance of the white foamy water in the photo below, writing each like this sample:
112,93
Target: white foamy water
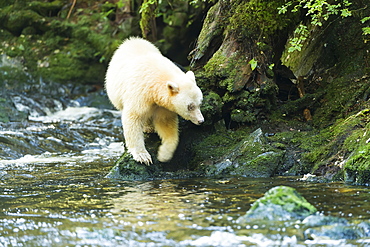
75,134
73,114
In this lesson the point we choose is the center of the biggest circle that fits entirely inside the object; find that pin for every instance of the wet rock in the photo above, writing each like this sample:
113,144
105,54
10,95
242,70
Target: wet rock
283,207
127,168
357,166
334,232
365,228
280,203
320,220
252,157
340,151
209,38
329,227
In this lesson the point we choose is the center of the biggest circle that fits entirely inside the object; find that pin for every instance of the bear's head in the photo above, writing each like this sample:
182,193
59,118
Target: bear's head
186,98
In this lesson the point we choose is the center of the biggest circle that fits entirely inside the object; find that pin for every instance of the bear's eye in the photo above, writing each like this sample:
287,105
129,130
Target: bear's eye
191,107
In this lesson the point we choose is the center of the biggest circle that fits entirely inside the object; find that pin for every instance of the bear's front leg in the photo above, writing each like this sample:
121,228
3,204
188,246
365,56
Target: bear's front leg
134,138
166,125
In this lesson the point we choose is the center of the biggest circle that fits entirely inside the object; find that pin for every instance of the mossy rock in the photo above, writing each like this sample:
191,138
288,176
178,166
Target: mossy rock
47,8
251,156
278,204
209,38
334,232
212,108
127,168
264,165
180,166
357,167
15,20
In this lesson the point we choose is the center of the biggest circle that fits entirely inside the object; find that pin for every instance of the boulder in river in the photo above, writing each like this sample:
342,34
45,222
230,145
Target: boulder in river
279,204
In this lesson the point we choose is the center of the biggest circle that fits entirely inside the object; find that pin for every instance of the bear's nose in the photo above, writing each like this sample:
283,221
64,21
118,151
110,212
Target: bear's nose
200,121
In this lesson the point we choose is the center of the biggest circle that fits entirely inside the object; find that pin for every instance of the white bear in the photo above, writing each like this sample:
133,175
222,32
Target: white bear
150,90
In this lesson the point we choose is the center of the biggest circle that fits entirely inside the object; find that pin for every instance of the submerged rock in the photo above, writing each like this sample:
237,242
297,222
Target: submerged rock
329,227
283,207
335,232
321,220
279,204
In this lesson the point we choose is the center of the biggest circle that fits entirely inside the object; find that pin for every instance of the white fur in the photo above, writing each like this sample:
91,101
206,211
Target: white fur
150,91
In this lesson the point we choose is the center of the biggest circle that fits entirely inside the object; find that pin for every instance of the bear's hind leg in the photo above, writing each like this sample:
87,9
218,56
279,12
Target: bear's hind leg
166,125
134,138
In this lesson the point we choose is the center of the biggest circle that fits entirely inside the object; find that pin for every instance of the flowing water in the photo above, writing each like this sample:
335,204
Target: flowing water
53,193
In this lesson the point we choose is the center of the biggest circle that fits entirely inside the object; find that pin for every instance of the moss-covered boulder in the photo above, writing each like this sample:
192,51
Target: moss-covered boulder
204,154
252,156
284,208
357,166
340,151
279,204
127,168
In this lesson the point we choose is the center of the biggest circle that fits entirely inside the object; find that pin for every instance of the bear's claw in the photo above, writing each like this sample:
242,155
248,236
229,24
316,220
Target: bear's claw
142,157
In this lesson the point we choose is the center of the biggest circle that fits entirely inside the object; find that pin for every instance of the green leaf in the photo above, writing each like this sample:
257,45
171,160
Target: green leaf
253,64
365,19
366,30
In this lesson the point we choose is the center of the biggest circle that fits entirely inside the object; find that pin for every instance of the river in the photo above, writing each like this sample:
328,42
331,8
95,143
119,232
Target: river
53,192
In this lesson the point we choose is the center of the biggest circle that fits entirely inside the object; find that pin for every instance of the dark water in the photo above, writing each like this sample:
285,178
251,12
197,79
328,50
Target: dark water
71,204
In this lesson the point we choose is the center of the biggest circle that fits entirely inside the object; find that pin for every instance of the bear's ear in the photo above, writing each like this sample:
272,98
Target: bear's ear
191,75
173,87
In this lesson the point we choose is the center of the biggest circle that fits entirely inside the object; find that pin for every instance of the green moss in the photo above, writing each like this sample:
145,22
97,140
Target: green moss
148,11
287,197
238,153
16,20
73,50
279,203
343,144
220,69
240,116
337,152
219,144
212,30
228,75
128,169
46,8
257,19
212,107
357,167
263,165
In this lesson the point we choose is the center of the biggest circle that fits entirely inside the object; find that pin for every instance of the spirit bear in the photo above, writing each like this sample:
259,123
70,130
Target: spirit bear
150,90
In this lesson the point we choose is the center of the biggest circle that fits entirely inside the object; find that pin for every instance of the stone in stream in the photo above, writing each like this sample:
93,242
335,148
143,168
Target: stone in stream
279,204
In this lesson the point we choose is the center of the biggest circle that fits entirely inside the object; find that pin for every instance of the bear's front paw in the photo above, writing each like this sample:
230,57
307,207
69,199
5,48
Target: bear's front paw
141,156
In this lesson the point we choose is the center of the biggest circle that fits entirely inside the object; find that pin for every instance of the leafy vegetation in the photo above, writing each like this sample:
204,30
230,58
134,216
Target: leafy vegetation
366,30
318,12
